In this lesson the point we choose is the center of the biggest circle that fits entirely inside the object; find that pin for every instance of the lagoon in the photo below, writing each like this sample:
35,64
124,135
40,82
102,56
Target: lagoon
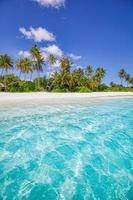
67,151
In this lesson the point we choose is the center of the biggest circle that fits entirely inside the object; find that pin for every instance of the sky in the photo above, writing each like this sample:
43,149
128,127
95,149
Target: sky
92,32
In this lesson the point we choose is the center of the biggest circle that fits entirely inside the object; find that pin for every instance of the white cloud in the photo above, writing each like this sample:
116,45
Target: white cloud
52,49
51,3
24,54
37,34
74,57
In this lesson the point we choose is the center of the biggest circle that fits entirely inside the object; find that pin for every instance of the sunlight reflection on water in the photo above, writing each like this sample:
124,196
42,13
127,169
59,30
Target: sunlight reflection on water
81,151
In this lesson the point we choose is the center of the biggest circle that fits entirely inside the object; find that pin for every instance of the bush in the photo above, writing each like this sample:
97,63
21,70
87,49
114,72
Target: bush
26,86
60,90
7,81
83,89
10,78
40,83
119,89
13,87
38,88
102,87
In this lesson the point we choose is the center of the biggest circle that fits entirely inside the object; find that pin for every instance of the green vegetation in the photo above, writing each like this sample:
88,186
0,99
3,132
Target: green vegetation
63,80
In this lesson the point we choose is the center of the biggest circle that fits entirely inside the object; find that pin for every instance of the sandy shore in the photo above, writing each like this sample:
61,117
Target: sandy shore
51,98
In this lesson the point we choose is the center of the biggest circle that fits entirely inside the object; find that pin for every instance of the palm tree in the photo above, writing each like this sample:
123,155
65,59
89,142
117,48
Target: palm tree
100,73
72,81
93,83
19,65
130,81
1,67
37,60
78,71
78,76
65,63
127,78
89,72
64,79
24,65
6,63
122,75
51,61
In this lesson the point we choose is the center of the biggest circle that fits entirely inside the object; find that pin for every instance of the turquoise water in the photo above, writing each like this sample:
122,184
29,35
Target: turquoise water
67,152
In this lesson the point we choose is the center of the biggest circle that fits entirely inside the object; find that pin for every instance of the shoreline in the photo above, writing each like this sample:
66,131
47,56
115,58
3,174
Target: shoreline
51,98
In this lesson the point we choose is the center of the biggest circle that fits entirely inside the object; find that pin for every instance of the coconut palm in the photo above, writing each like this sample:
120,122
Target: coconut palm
1,67
122,75
89,72
93,83
78,71
24,65
127,78
100,73
65,63
78,76
130,81
20,66
37,59
6,63
51,61
72,81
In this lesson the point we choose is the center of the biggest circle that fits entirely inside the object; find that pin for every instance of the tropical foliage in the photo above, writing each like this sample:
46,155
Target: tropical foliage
63,80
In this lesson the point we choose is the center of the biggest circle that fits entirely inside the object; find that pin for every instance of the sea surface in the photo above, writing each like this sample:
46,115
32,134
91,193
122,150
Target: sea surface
78,151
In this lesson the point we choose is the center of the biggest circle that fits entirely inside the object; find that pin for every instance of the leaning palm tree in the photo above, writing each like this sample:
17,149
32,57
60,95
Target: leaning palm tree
24,65
122,75
51,61
6,63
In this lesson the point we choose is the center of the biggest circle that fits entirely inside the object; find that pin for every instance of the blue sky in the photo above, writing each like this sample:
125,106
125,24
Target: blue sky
92,32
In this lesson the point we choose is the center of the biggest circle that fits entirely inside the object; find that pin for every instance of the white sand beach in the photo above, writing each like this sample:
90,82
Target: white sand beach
51,98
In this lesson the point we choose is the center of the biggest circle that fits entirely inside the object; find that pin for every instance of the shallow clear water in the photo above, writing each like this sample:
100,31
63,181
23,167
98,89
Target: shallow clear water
64,152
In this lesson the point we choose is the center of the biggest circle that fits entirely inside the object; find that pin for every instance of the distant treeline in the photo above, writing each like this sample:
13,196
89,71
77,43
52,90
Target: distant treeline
64,80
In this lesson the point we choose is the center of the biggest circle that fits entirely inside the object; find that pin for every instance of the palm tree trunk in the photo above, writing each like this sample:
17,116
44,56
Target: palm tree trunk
51,71
2,72
20,74
25,77
38,79
5,84
31,76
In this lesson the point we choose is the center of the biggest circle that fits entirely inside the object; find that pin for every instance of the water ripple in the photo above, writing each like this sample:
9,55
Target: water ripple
67,152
